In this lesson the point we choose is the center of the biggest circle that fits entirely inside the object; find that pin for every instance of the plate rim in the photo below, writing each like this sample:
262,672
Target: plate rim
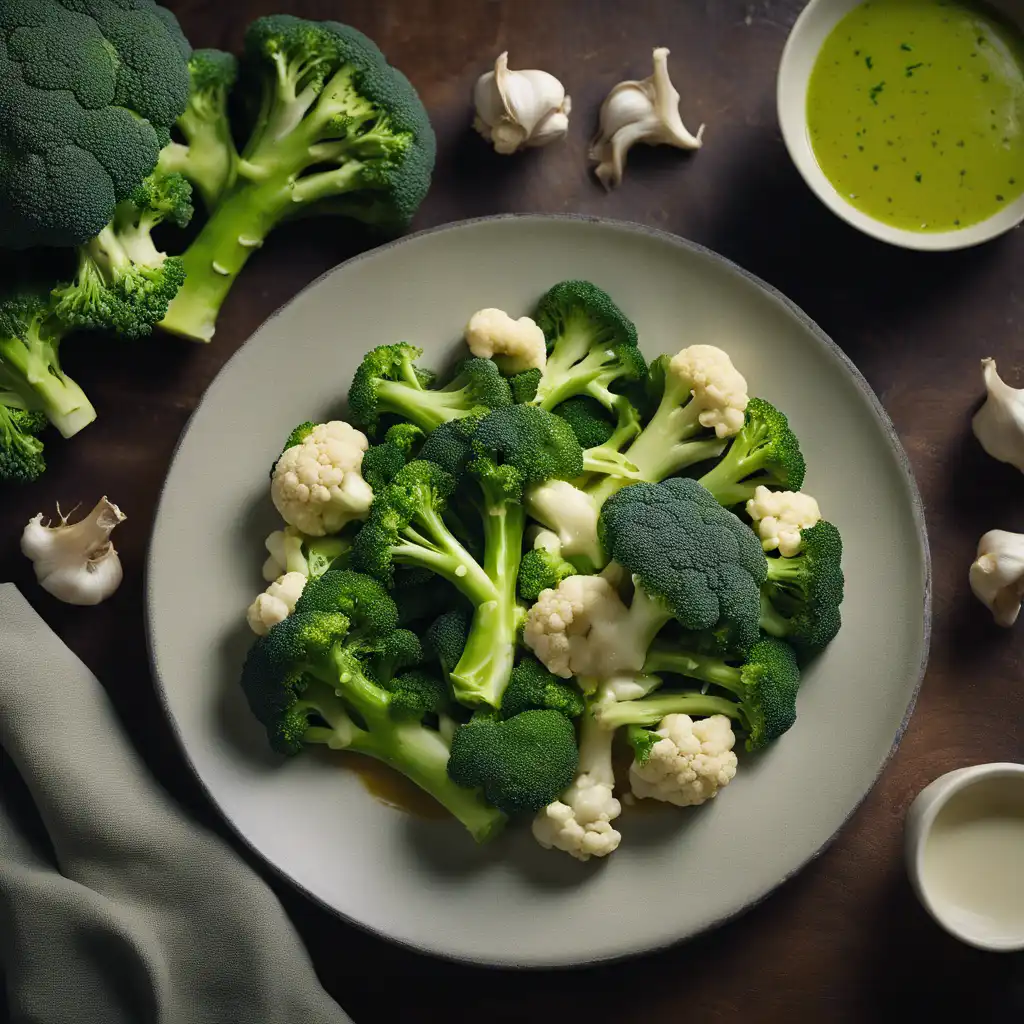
820,337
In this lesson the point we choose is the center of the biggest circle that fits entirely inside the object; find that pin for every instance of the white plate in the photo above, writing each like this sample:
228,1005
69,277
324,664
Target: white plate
423,883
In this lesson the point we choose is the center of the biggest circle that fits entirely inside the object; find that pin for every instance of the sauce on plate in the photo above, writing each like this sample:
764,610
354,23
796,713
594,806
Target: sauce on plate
915,110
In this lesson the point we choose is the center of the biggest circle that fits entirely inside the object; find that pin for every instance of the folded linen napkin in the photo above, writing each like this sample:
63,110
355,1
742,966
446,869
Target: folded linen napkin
114,906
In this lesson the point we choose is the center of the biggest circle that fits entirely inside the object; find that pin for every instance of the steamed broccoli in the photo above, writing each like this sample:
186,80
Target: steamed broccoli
338,130
802,595
88,94
541,569
388,382
21,452
765,451
308,682
382,461
765,686
533,688
446,639
521,763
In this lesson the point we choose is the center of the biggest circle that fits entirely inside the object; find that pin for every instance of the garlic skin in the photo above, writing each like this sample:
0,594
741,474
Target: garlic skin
519,109
76,562
999,423
647,112
997,575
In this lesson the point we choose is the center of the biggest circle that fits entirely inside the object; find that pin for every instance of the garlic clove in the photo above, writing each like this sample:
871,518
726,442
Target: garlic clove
999,423
997,575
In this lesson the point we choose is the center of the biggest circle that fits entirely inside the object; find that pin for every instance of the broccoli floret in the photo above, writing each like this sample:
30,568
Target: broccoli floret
123,282
446,638
764,452
533,688
207,157
88,93
590,421
521,763
592,345
307,682
542,569
388,382
361,599
765,686
21,452
417,694
398,651
381,462
338,130
30,337
691,560
802,595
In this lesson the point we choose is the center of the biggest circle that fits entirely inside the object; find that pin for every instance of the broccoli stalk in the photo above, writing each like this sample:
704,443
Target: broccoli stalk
338,129
21,453
30,371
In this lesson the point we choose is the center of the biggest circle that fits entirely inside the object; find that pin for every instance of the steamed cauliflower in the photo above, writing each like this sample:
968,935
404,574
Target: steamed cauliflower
779,516
580,823
515,345
276,603
284,554
317,485
718,388
689,764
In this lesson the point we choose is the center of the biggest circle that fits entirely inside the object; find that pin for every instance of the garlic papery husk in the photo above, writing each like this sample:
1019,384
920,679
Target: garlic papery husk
516,109
76,562
999,423
997,575
646,112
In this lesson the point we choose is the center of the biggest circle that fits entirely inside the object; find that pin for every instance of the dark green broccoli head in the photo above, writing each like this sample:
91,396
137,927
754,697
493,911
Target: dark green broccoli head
446,638
803,593
770,679
689,553
393,653
579,309
481,384
88,93
450,445
21,452
381,462
533,688
588,419
361,599
417,694
541,569
521,763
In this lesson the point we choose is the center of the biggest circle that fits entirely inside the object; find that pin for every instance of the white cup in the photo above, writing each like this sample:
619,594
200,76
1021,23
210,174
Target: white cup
963,870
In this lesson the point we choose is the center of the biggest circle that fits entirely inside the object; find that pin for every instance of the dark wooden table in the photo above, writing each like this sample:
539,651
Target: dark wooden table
845,940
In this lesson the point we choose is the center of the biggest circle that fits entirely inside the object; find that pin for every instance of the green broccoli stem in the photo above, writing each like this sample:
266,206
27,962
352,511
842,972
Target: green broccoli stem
484,669
728,481
650,711
562,379
695,666
427,409
771,621
786,570
210,160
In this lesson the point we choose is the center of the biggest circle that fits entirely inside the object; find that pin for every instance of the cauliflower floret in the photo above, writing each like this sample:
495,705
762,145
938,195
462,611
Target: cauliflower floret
515,345
571,514
284,549
779,516
276,603
317,485
559,623
691,762
579,823
716,385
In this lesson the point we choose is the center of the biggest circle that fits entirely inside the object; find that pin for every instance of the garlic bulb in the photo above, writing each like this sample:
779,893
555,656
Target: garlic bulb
646,112
997,575
76,562
516,109
999,423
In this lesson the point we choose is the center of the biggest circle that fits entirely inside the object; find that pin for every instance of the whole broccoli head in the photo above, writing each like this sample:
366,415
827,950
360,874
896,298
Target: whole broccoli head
689,554
520,763
88,94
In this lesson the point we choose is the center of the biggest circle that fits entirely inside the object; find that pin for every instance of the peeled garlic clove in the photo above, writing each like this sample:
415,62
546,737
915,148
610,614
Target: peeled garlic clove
516,109
644,111
997,575
999,423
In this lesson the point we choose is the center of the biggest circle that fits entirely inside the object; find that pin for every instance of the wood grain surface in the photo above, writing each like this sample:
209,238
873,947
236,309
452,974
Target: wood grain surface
844,941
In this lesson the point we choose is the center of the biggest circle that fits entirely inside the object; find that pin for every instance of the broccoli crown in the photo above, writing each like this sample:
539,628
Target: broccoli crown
446,638
765,451
540,570
366,605
533,688
394,653
211,70
688,552
164,197
804,592
572,308
521,763
524,385
21,453
770,679
381,462
392,363
450,445
88,93
361,99
588,419
416,694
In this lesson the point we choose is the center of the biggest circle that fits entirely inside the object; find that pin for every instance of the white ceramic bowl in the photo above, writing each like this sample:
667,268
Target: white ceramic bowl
963,792
809,33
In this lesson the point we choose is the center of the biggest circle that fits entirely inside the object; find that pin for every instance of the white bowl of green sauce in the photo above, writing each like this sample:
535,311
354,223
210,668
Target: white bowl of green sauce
906,117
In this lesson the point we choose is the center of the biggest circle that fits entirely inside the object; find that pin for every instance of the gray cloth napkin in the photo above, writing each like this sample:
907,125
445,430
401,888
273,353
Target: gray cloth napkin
121,909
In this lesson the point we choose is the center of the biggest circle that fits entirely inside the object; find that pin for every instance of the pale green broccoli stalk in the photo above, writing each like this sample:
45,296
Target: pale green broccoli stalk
338,129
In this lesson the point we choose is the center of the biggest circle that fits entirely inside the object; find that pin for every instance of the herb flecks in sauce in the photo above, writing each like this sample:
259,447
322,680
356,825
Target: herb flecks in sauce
966,76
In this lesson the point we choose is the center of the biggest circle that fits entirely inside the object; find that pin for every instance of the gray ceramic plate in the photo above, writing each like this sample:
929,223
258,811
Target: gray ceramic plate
423,883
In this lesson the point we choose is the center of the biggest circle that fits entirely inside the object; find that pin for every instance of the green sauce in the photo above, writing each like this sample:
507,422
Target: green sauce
915,110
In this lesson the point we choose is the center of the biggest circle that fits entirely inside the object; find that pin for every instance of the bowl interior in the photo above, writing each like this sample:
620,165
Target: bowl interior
808,35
